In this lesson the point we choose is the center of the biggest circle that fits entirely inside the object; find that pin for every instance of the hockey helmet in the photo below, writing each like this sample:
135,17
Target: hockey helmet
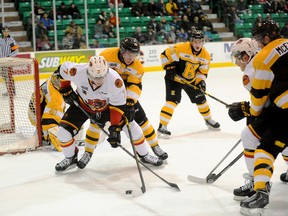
266,28
197,34
130,44
243,46
97,68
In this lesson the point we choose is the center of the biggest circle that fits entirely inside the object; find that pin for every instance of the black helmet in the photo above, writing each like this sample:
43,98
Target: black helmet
197,34
266,28
130,44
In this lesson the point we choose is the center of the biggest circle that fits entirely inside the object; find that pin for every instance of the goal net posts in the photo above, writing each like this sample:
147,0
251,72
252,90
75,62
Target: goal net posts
19,79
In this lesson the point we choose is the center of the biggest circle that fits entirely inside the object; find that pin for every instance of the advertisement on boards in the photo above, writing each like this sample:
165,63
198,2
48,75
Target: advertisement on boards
50,61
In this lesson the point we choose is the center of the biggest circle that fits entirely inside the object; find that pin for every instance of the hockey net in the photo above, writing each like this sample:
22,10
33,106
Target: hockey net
19,78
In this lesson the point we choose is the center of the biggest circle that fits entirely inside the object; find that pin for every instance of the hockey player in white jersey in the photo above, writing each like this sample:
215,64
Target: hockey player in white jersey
100,91
242,53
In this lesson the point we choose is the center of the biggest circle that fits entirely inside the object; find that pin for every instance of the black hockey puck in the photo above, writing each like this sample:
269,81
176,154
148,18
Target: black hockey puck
128,191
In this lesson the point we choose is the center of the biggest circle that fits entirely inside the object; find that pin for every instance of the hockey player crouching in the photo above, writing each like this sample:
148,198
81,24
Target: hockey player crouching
52,110
100,91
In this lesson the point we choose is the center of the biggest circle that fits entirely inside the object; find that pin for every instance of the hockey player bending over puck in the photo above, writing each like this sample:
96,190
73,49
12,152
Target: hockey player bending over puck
100,91
125,61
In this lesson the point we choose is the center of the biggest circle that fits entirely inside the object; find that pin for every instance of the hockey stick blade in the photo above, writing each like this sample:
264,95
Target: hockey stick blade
196,179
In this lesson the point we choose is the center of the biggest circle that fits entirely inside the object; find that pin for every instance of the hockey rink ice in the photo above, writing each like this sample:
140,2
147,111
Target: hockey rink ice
29,185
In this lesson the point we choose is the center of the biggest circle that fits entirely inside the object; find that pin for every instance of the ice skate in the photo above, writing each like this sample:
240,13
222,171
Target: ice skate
150,159
212,125
82,163
284,177
254,205
162,132
246,190
159,152
68,163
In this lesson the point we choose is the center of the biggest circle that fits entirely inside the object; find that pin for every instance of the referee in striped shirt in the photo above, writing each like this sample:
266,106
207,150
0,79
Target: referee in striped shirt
8,48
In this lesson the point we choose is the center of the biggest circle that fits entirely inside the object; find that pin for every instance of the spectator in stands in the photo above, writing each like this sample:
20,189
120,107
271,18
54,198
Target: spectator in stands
161,8
225,7
171,8
41,30
268,7
171,35
207,34
74,29
151,37
175,23
79,42
48,23
182,35
164,29
152,9
154,24
112,19
258,19
111,4
205,22
96,44
183,5
109,30
63,12
98,30
30,26
242,7
43,44
38,10
139,35
68,41
103,17
127,3
186,25
284,30
74,11
268,16
139,9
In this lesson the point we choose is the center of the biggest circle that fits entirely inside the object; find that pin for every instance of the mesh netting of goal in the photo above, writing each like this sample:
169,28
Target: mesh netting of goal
19,79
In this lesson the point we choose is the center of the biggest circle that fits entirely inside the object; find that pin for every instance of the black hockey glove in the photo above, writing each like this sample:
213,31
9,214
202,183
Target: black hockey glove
201,88
170,72
115,137
130,110
239,110
69,95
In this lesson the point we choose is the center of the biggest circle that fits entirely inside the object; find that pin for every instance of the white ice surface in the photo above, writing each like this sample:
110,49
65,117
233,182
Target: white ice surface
29,185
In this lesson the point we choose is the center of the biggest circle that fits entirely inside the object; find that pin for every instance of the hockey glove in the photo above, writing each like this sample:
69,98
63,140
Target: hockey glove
115,137
130,110
239,110
201,88
170,72
69,95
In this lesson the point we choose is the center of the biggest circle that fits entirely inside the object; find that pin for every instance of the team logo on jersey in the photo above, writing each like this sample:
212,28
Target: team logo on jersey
245,80
118,83
73,71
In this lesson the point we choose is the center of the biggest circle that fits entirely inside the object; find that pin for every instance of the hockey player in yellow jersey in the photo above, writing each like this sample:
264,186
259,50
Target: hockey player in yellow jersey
52,110
189,61
270,84
125,61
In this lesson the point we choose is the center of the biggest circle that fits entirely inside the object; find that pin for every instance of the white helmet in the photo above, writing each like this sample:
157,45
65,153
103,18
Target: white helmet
244,46
97,67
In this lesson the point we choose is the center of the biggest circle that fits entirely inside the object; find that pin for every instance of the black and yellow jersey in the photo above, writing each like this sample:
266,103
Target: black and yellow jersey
193,68
271,77
131,74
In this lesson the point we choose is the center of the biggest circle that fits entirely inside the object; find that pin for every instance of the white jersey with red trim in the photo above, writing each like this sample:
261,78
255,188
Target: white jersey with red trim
112,91
248,76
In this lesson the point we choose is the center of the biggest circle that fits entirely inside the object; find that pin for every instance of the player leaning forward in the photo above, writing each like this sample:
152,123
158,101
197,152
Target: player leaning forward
101,93
189,61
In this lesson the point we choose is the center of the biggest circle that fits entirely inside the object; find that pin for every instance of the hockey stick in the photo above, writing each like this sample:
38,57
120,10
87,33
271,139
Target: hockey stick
143,187
128,152
211,177
183,81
